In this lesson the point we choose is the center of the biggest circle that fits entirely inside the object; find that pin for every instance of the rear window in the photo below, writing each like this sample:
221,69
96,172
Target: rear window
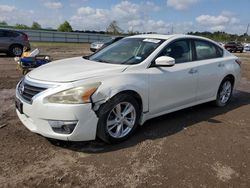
207,50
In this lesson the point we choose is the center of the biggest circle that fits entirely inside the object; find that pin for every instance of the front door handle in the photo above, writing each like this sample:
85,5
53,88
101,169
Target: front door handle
220,65
192,71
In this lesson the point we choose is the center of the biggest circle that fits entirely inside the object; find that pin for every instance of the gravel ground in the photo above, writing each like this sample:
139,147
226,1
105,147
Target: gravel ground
202,146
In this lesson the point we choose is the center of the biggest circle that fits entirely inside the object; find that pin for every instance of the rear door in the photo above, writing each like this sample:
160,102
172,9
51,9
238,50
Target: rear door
210,62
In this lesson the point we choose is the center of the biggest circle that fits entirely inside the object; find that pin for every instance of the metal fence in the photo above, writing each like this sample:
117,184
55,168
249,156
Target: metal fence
55,36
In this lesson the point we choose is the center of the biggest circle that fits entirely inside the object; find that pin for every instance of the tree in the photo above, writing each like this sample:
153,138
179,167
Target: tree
21,26
113,28
131,32
65,27
36,25
3,23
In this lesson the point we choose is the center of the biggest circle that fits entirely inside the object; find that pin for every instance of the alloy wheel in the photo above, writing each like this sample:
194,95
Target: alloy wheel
121,120
226,91
17,51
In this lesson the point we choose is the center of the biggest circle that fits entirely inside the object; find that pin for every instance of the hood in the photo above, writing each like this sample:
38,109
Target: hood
73,69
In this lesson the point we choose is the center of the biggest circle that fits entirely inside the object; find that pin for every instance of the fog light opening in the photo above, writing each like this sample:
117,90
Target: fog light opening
63,127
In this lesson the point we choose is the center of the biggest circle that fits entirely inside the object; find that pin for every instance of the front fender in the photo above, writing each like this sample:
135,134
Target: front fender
127,82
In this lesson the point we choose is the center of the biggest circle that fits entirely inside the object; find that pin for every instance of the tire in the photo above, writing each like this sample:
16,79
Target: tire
113,126
241,51
15,50
224,93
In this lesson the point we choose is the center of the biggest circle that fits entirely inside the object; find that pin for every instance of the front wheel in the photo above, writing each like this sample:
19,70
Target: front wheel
118,119
224,93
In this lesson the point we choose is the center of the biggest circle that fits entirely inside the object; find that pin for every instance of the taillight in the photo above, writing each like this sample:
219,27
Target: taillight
238,62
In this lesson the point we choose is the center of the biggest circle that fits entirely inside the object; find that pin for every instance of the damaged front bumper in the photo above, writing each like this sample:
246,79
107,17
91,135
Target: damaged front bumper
72,122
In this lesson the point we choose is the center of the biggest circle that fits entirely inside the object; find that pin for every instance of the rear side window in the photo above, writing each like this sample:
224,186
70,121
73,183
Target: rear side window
207,50
8,34
179,50
11,34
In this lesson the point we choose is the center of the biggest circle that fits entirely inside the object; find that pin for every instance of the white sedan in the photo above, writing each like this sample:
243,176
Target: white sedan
111,92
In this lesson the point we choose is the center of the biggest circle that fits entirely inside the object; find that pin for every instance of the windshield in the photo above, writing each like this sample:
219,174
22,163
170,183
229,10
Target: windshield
127,51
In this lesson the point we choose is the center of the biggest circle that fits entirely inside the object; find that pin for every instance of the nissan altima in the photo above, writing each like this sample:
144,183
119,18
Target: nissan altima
108,94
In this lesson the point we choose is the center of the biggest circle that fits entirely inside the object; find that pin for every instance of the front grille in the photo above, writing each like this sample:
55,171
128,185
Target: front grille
28,91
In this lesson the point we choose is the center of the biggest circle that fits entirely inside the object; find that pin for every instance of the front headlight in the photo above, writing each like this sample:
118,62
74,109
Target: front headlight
77,95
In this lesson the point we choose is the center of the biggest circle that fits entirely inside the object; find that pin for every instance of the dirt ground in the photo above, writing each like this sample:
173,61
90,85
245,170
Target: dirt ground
202,146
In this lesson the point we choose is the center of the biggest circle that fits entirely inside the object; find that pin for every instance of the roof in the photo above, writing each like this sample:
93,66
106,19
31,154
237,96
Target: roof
157,36
174,36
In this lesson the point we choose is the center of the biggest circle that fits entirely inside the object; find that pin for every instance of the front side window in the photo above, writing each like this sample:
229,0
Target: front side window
127,51
179,50
206,50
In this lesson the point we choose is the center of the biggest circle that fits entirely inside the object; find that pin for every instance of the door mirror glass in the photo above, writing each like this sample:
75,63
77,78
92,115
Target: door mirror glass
165,61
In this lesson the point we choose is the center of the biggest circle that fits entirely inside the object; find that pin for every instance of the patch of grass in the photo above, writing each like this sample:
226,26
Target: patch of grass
59,44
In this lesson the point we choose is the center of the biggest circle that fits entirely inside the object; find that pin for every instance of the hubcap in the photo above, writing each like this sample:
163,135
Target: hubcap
17,51
121,120
225,92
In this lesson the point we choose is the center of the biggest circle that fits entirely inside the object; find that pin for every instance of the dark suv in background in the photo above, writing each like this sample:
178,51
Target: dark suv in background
234,46
12,42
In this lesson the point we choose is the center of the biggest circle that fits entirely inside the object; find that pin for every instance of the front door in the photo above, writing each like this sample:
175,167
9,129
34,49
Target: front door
173,87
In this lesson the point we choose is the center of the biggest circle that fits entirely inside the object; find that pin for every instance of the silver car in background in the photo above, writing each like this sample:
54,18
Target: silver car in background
95,46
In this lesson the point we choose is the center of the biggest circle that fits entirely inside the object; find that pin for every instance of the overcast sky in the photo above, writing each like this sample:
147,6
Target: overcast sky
145,16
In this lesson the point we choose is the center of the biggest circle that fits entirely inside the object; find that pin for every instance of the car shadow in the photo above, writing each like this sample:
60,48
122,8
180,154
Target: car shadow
162,126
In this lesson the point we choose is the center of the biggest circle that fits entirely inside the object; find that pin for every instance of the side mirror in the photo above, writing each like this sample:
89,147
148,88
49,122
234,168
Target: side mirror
165,61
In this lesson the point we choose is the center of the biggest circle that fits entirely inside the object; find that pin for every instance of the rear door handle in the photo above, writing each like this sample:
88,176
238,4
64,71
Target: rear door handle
193,71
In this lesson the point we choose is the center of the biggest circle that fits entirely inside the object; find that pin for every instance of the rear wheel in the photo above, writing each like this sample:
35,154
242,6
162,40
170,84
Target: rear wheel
118,119
224,93
16,50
